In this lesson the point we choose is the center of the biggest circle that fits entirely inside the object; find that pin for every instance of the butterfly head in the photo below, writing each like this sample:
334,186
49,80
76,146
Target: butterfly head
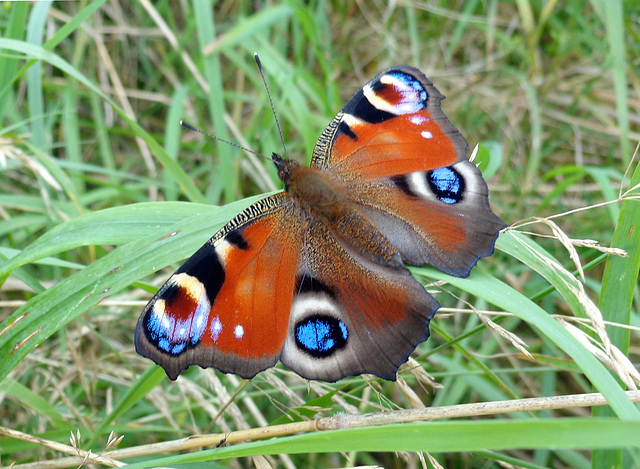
285,168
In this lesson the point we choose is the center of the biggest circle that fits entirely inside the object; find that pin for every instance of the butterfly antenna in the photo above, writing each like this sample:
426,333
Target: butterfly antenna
190,127
273,109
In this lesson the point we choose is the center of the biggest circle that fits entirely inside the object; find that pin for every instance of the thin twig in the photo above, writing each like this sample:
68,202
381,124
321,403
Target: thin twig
340,422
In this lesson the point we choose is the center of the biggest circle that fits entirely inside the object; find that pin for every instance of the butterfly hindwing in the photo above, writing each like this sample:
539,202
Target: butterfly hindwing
352,315
440,217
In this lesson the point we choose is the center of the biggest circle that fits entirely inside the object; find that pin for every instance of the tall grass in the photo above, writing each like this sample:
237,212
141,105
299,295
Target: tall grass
102,195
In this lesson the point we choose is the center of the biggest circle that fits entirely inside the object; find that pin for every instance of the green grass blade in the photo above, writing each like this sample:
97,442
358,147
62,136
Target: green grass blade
35,94
619,284
14,29
182,179
495,292
32,401
612,15
114,226
148,380
226,167
434,437
172,137
247,28
620,279
46,313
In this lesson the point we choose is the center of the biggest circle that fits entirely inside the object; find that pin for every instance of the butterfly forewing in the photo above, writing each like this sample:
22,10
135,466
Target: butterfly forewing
227,306
393,125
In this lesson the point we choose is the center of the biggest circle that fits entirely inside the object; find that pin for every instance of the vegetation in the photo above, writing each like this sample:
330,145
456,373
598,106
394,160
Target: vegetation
95,173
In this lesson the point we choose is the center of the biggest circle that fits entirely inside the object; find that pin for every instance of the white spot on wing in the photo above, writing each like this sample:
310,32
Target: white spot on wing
418,119
313,302
216,328
238,331
166,324
222,249
473,180
417,182
351,120
426,134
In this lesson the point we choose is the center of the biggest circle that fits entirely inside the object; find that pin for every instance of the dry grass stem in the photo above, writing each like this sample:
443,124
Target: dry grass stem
327,423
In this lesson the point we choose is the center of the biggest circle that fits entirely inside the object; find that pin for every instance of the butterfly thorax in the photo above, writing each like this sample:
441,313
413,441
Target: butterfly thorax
325,200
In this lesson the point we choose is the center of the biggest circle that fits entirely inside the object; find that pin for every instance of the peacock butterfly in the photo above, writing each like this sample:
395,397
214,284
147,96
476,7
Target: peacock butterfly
314,276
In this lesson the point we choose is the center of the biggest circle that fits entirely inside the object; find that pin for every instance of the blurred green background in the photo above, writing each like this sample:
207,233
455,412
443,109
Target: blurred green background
96,172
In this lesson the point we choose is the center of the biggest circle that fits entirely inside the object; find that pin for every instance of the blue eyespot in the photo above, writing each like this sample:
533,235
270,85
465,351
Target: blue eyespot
447,185
160,332
172,334
321,335
411,82
167,346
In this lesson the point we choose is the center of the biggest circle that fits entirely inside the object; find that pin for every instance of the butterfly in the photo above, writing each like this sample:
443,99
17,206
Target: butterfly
315,276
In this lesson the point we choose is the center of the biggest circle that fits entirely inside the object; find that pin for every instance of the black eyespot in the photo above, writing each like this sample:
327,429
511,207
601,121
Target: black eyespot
321,335
166,327
447,184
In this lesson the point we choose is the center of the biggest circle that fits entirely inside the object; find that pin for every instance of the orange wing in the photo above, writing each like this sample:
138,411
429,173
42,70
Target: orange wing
393,125
228,305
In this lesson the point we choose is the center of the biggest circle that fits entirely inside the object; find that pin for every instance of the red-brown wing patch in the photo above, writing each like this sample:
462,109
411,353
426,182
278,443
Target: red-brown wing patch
352,315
